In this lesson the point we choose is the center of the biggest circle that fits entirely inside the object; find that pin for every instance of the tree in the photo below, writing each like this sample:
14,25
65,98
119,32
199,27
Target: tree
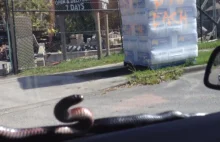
2,7
40,20
84,21
76,22
79,22
114,16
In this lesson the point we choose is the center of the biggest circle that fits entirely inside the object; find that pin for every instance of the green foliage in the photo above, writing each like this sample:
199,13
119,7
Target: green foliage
76,22
151,77
1,7
75,64
209,45
189,62
81,21
40,20
135,78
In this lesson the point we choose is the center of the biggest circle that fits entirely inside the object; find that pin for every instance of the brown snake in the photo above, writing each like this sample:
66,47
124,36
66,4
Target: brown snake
82,123
81,119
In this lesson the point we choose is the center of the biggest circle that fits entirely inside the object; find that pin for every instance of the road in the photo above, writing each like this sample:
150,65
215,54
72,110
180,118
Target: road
213,78
188,94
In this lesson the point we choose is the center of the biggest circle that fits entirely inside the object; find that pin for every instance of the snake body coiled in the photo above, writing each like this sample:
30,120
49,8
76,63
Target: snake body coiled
81,118
82,123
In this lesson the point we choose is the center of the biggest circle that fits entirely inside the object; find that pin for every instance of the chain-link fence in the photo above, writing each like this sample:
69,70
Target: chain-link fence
208,20
74,33
56,32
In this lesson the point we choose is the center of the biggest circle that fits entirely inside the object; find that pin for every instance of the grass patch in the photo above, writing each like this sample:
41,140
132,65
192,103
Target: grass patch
151,77
76,64
203,58
200,60
209,45
92,62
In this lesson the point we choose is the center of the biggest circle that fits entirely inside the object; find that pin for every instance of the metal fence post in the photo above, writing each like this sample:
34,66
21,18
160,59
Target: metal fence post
63,36
13,40
107,35
200,2
99,38
119,14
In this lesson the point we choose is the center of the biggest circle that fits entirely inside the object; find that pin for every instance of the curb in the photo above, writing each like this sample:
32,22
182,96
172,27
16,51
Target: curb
99,69
87,71
185,71
194,68
118,66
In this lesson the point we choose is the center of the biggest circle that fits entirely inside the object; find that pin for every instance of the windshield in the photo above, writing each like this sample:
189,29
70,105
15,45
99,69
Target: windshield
125,57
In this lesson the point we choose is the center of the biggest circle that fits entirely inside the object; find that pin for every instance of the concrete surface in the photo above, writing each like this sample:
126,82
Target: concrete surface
7,66
194,68
214,76
188,94
22,91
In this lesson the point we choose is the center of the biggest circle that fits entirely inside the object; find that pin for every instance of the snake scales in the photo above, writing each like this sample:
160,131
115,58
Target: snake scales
82,122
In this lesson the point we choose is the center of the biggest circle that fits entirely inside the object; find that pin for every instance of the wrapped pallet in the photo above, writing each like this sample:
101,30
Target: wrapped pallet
158,33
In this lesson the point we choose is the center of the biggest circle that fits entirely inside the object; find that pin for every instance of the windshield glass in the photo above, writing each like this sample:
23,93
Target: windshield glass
125,57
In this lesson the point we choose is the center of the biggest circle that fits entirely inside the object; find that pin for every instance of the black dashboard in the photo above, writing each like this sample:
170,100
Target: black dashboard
197,129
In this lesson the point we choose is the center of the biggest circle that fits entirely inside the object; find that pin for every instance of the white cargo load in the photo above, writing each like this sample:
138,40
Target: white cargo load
158,32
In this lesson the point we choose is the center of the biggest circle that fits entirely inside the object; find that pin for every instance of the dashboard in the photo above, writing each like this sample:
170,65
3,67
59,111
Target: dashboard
197,129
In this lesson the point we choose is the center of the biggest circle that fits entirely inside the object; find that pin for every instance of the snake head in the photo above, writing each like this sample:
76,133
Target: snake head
66,113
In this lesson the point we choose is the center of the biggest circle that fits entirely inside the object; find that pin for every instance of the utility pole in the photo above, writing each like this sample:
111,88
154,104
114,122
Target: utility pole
98,35
107,35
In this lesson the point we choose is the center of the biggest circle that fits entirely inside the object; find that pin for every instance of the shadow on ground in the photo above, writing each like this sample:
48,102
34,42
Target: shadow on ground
32,82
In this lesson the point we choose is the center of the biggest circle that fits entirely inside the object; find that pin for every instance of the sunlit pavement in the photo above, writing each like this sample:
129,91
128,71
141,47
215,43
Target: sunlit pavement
188,94
24,91
213,78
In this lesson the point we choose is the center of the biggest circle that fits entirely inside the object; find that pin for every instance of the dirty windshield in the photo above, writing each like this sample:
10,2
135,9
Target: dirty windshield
125,57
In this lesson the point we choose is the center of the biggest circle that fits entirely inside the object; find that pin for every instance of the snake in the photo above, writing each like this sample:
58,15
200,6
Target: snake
79,121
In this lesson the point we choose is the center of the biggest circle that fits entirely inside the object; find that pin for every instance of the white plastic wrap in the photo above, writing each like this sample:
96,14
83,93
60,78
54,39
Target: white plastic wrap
158,32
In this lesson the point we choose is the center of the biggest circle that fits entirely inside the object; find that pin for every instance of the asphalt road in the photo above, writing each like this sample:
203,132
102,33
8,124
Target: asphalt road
188,94
213,78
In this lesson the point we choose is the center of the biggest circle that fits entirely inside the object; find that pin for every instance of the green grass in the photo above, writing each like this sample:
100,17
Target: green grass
92,62
76,64
203,57
209,45
151,77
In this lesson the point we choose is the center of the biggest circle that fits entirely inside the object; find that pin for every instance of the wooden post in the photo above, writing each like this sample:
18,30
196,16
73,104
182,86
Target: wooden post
63,35
98,35
107,35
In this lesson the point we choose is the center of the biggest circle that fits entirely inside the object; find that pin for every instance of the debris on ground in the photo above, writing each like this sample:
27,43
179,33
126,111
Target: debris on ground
110,89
